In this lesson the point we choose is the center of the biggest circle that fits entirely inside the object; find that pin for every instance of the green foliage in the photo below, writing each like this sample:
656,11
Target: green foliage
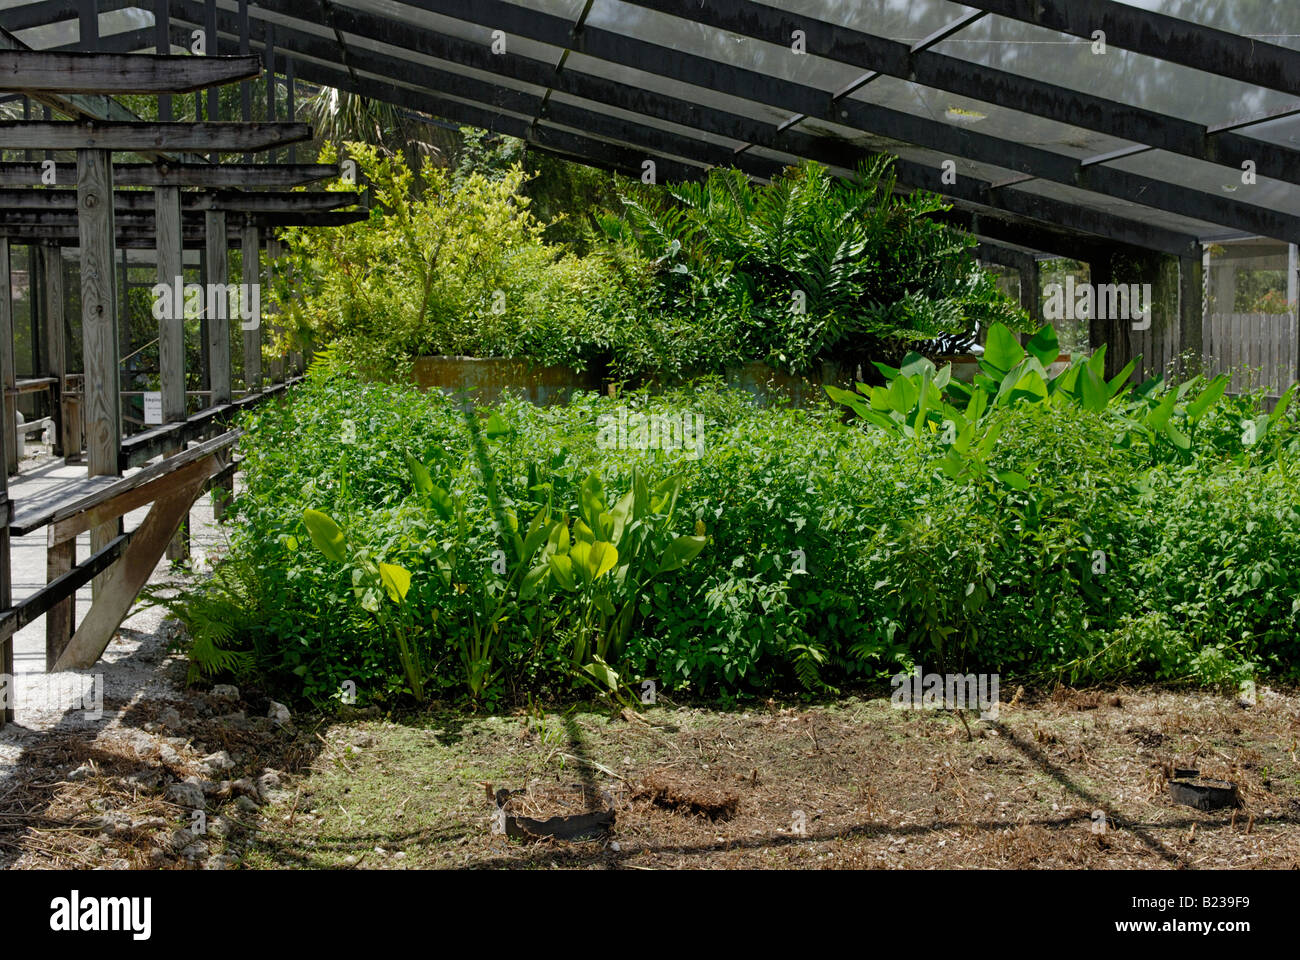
809,267
1051,529
445,265
500,258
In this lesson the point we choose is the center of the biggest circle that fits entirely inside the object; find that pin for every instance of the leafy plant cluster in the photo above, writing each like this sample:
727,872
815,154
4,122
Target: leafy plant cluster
1065,526
677,281
807,268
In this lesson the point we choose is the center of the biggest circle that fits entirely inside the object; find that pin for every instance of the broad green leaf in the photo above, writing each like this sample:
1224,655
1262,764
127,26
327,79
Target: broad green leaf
591,501
620,514
602,558
1177,437
562,569
1092,390
664,498
1158,417
914,365
396,580
1284,401
580,555
533,580
325,533
419,475
599,669
1044,346
441,501
1001,351
1014,480
1209,396
538,532
1117,382
496,426
850,400
559,539
680,552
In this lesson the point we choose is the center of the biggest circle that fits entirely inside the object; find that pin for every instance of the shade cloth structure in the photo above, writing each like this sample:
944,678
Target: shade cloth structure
1159,124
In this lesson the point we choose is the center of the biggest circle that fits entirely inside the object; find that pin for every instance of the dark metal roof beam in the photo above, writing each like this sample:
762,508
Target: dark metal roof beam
1100,225
1164,37
801,99
999,87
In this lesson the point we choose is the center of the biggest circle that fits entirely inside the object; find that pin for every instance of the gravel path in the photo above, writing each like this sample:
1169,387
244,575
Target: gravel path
136,666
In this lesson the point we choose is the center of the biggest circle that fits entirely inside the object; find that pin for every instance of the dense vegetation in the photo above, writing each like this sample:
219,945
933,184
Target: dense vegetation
670,282
1067,527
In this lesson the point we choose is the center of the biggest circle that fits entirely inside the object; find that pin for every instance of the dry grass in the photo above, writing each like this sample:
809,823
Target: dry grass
852,784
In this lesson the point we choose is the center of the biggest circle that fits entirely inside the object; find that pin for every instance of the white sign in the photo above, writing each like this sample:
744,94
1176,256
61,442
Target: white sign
153,407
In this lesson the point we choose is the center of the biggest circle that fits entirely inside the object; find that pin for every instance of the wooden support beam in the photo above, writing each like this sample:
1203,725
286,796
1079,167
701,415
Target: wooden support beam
28,174
132,496
171,332
60,620
1031,298
250,257
23,223
55,337
213,137
61,201
128,576
6,567
101,403
274,251
99,311
1191,312
171,329
6,598
7,379
219,320
43,71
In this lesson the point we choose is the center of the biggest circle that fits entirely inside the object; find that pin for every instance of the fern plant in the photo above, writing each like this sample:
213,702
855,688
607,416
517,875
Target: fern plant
809,267
218,616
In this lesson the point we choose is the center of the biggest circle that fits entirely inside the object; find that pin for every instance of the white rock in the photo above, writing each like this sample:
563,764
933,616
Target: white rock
187,795
225,691
167,754
278,712
216,762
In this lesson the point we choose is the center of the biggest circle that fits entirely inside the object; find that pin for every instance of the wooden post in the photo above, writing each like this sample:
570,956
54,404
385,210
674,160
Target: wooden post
251,252
7,380
126,577
171,330
55,339
218,335
1031,298
101,406
7,685
273,250
60,619
1191,312
218,319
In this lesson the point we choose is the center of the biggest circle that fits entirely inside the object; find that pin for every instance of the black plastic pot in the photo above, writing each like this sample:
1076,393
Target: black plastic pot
1204,793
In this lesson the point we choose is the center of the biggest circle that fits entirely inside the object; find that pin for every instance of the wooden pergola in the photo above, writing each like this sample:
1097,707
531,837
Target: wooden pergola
93,210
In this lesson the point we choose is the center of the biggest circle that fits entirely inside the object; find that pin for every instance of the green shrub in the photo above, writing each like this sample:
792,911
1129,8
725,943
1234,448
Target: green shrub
836,551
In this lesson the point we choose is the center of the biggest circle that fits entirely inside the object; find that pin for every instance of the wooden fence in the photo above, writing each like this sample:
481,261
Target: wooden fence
1258,349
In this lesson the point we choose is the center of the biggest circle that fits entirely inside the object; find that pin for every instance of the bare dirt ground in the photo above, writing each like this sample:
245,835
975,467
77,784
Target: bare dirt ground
845,784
